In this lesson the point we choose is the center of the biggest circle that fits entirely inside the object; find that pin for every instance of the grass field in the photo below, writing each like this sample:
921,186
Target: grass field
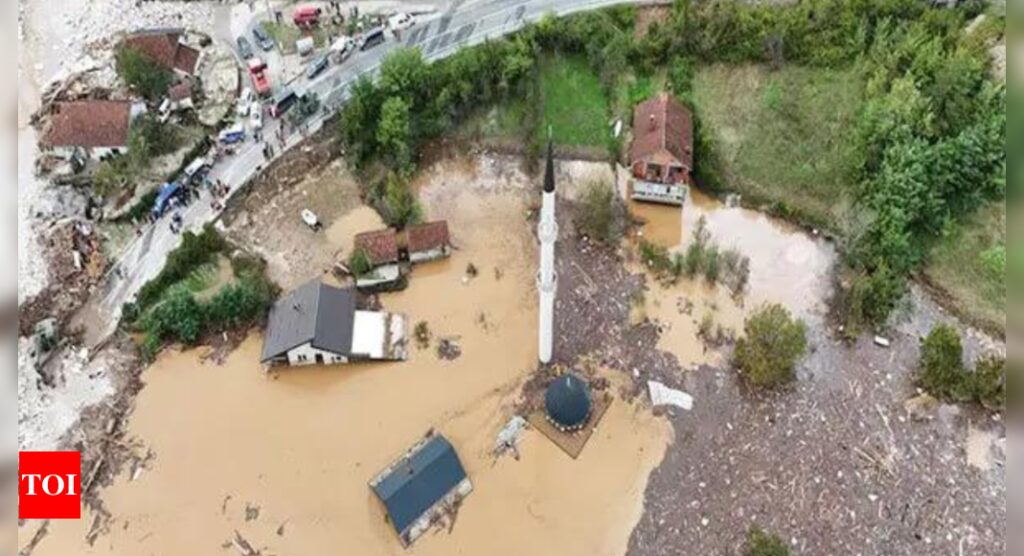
783,136
966,267
575,105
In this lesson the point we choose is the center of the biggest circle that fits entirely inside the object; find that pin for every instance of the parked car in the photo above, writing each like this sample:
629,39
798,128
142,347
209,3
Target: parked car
244,102
244,48
259,32
401,21
317,66
282,102
232,134
311,220
342,48
256,116
371,38
258,74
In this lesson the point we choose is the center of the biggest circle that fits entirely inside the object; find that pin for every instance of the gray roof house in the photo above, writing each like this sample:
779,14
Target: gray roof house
320,324
419,487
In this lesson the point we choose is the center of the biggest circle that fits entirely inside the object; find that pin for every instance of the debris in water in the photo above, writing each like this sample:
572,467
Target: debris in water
422,334
449,349
663,395
471,270
508,438
251,512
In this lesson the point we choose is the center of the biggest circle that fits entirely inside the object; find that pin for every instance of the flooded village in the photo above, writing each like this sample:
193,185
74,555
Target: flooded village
490,378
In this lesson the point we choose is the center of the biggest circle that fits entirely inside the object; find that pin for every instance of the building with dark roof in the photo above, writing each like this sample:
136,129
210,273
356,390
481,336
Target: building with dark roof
662,148
421,486
96,127
428,241
320,324
165,48
567,403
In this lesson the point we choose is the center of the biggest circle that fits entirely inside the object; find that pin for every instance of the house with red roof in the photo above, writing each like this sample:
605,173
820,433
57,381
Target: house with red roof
381,248
95,128
166,48
661,155
428,241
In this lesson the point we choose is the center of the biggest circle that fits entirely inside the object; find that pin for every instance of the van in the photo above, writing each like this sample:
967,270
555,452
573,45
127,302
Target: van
317,66
401,21
282,102
372,38
306,16
233,134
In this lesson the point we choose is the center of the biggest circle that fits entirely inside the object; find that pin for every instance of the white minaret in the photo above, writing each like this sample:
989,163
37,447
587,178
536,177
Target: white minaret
547,279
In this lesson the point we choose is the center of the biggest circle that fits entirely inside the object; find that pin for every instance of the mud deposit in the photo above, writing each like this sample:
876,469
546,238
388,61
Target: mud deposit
284,458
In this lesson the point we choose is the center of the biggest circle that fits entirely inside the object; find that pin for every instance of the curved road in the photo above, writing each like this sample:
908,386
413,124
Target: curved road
437,37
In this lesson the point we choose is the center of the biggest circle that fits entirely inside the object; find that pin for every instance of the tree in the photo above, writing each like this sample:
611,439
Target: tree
393,130
359,262
403,209
358,122
142,74
773,342
941,364
404,73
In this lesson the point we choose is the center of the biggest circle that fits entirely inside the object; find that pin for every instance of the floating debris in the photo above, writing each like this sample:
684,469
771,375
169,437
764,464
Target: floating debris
663,395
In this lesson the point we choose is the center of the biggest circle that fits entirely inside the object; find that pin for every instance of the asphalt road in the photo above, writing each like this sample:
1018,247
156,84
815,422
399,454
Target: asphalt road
439,36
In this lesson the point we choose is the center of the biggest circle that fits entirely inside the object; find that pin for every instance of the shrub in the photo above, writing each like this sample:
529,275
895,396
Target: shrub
142,74
760,543
773,342
239,304
422,334
194,251
401,207
711,264
359,262
596,214
942,372
178,317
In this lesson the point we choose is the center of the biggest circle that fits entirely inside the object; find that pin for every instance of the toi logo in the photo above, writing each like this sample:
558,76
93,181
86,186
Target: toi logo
49,485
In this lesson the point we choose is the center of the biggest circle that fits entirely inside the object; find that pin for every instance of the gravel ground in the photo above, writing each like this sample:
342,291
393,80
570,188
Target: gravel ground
837,465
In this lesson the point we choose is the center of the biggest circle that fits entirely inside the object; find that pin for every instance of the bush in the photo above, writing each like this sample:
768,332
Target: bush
596,215
177,317
142,74
359,262
773,342
240,304
760,543
194,251
401,207
942,372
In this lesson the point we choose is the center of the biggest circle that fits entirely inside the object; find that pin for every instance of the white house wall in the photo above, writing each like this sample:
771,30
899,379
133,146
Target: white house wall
306,355
428,255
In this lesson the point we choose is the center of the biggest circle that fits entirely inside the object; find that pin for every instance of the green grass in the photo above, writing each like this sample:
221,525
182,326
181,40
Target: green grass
784,136
575,105
285,34
964,267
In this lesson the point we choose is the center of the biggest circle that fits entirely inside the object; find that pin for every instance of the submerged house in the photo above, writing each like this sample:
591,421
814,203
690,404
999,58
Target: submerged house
421,486
661,155
320,324
381,248
429,241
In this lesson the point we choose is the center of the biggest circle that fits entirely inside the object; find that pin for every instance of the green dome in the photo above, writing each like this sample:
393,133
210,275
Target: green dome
567,402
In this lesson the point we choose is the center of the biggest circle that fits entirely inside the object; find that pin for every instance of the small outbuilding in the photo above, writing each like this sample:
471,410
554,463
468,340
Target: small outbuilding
567,403
428,241
661,155
381,248
420,487
320,324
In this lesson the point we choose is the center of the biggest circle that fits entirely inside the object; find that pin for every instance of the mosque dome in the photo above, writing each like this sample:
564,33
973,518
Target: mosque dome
567,402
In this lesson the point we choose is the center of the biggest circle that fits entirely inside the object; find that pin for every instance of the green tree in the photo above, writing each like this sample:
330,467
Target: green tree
177,317
404,73
596,214
773,342
402,206
358,121
142,74
394,130
359,262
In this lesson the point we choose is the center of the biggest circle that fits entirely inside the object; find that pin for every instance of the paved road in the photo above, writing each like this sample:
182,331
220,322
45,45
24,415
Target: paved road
463,24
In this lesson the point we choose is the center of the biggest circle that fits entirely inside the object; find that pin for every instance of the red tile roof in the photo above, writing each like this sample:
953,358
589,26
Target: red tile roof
165,49
427,236
181,91
381,245
662,125
88,123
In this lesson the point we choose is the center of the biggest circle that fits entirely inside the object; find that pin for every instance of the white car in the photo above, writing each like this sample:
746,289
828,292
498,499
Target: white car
401,21
245,102
256,116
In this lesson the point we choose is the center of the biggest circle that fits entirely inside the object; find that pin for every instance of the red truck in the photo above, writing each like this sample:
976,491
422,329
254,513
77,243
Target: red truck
306,16
258,74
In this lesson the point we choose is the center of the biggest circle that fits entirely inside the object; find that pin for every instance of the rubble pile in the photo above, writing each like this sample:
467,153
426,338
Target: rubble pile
76,263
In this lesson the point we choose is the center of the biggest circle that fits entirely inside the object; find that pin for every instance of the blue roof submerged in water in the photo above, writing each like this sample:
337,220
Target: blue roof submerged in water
167,191
420,481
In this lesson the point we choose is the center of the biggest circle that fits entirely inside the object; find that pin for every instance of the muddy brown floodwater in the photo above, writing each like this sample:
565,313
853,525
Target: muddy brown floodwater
301,444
